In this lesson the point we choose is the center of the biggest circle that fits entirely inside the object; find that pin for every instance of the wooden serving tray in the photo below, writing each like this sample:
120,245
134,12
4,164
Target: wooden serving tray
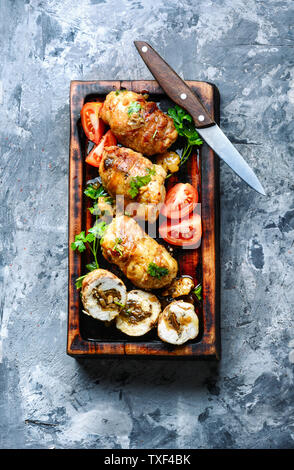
89,337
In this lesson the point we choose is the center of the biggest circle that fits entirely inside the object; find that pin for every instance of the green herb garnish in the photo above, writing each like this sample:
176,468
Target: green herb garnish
91,240
119,303
79,281
91,266
154,134
117,247
83,241
98,229
95,192
198,292
138,181
96,209
184,125
134,107
156,271
117,92
80,242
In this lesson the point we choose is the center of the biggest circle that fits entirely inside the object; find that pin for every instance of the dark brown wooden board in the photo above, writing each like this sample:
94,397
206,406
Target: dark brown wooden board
89,337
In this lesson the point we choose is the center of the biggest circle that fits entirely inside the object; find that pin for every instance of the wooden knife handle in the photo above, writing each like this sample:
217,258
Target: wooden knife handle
173,85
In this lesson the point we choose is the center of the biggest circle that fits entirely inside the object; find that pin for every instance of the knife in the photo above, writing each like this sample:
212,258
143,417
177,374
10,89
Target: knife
182,95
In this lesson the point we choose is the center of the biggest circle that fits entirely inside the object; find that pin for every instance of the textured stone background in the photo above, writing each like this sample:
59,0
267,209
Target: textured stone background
50,400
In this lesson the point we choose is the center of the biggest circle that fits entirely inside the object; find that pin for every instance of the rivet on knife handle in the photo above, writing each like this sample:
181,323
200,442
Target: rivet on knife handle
180,94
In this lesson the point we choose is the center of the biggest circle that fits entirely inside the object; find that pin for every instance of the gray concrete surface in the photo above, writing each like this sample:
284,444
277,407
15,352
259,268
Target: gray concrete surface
50,400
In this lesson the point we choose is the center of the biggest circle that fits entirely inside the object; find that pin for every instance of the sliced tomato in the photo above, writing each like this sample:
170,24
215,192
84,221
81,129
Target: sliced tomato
187,232
94,157
92,124
180,201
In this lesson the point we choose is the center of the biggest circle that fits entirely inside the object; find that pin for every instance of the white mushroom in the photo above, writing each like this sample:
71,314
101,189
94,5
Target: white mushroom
103,295
178,323
180,286
140,315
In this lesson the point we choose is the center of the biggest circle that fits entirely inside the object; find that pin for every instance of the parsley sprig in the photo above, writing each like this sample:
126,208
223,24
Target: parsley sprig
198,292
157,271
134,107
92,239
118,248
120,91
90,267
184,125
138,181
83,241
95,191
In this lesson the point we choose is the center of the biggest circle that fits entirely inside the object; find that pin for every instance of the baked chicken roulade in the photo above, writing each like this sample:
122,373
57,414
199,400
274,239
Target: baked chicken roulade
137,123
144,261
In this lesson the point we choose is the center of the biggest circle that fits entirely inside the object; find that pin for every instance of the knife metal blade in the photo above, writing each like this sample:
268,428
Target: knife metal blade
221,145
182,95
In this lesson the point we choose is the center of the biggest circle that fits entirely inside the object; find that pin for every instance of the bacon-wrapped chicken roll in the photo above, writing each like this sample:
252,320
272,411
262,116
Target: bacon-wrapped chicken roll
128,173
146,263
138,123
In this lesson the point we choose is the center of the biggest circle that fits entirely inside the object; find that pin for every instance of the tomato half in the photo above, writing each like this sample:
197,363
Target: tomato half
180,201
94,157
91,122
187,232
